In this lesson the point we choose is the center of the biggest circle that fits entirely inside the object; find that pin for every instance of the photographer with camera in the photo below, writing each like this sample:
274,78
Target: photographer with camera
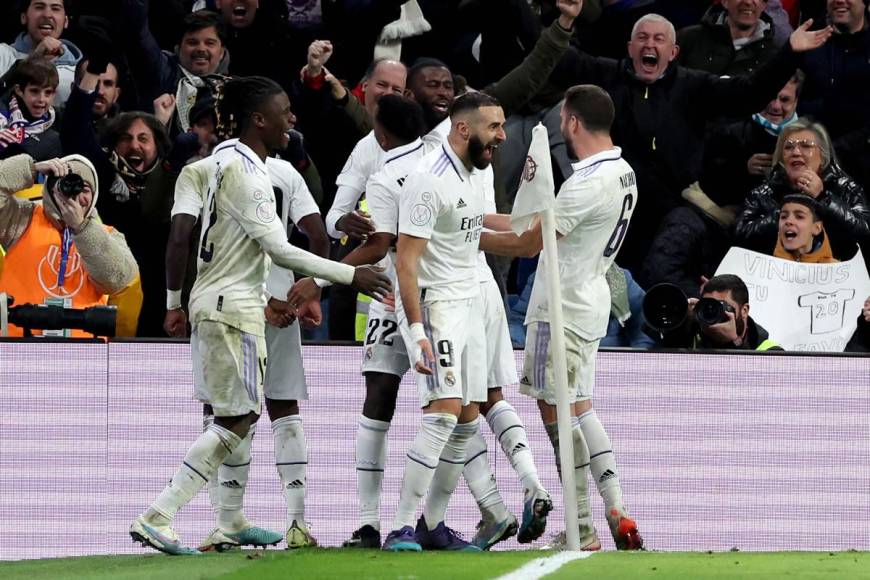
722,316
719,320
59,250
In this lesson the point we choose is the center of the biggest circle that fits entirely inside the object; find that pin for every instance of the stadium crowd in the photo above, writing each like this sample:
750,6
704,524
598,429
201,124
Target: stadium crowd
706,118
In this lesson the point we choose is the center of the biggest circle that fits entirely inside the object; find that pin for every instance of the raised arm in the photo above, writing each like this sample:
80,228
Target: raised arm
150,65
747,94
526,79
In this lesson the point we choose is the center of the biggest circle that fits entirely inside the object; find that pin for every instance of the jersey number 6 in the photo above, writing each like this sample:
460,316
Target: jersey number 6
615,241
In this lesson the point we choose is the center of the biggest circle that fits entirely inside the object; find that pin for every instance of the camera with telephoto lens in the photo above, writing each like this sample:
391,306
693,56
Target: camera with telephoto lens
96,320
70,185
667,320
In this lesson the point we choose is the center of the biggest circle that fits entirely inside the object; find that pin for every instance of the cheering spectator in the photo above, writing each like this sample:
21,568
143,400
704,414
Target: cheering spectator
694,238
734,38
662,112
835,93
44,22
98,58
200,55
256,33
137,167
801,232
27,111
804,163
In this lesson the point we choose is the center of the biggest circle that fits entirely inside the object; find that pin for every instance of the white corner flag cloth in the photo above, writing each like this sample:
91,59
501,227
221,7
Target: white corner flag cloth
536,192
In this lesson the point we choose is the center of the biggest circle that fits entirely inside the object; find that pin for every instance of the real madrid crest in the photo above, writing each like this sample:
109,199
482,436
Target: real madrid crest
449,379
529,169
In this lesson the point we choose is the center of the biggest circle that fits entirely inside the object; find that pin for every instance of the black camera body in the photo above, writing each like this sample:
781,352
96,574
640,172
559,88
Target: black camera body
70,185
710,311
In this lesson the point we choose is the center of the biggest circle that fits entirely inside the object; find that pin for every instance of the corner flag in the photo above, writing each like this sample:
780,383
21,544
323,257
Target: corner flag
536,192
536,197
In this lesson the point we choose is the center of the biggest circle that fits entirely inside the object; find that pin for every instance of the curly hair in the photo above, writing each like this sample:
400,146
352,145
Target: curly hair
237,99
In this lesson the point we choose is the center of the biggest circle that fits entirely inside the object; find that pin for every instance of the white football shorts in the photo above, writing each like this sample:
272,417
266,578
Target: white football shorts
501,365
383,344
538,380
285,375
456,333
228,368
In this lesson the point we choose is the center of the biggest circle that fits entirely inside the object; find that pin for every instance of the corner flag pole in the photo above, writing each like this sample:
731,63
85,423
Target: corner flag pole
560,373
536,197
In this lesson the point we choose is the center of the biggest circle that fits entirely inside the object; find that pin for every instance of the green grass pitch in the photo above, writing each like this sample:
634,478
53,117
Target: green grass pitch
370,564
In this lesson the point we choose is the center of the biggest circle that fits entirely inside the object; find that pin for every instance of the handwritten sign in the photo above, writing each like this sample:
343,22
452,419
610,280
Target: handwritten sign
810,307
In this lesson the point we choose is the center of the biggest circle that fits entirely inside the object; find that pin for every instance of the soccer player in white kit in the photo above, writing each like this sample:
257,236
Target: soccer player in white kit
385,360
592,213
284,382
440,220
228,298
398,126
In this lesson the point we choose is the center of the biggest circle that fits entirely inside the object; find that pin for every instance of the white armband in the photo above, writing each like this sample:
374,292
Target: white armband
173,299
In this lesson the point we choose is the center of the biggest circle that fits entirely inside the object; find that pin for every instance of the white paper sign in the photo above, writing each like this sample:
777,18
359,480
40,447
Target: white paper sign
803,306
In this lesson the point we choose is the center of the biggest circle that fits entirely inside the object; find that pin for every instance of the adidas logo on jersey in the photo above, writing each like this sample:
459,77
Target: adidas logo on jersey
231,484
296,484
608,474
460,204
526,381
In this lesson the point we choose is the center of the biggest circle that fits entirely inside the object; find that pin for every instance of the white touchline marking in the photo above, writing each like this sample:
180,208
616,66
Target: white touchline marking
541,567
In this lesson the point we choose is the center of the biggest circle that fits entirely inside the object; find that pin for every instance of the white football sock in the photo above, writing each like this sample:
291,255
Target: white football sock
291,459
371,458
200,464
581,474
446,476
511,434
232,479
435,430
212,485
480,479
602,460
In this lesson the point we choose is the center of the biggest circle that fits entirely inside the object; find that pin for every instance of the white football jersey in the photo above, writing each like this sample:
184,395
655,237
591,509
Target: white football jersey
292,197
364,161
192,183
241,222
383,192
592,213
441,203
293,202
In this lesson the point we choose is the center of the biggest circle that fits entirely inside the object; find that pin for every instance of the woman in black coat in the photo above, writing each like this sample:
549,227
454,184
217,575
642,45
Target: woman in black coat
804,162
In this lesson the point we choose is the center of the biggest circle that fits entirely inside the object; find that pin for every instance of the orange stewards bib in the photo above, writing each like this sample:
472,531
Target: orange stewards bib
33,266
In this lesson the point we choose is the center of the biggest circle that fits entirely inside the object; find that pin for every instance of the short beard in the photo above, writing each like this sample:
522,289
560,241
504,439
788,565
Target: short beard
475,152
569,145
740,327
